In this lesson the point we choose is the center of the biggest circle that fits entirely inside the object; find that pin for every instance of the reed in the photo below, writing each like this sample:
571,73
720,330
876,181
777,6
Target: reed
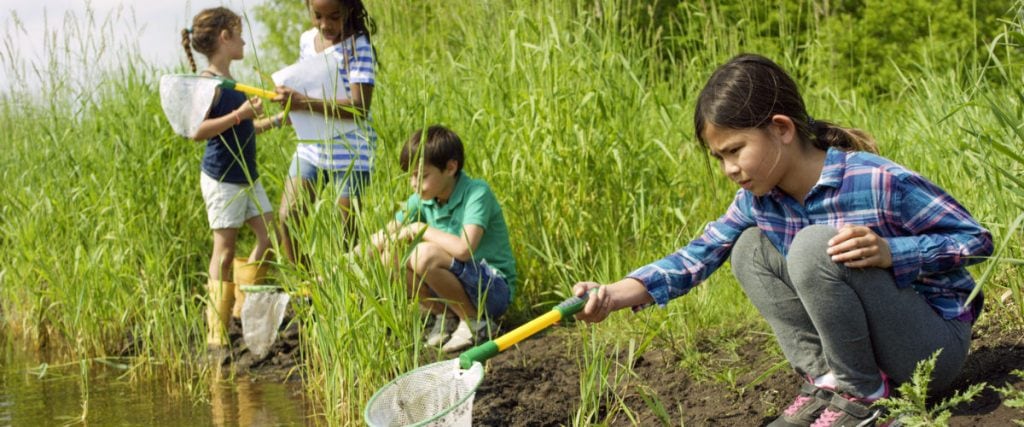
577,113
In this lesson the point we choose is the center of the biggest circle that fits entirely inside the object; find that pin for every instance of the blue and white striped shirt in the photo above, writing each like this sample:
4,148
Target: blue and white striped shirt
354,145
932,237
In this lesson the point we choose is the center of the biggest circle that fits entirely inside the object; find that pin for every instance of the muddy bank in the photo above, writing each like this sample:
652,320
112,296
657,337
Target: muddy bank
537,384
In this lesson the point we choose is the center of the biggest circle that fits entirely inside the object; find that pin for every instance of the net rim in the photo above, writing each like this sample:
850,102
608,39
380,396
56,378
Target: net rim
258,288
471,392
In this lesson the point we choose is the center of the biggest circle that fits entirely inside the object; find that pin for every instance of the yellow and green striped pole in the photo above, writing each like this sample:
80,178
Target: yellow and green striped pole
491,348
246,89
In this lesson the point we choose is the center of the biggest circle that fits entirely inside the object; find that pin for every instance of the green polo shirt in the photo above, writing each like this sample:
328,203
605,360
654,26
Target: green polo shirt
471,202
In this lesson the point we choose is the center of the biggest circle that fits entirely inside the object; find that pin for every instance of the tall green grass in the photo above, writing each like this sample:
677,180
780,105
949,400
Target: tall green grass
577,113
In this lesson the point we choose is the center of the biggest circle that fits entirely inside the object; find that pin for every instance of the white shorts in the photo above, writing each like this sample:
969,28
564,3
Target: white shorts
229,205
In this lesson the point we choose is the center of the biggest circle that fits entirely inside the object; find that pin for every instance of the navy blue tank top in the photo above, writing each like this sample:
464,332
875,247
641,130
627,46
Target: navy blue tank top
231,156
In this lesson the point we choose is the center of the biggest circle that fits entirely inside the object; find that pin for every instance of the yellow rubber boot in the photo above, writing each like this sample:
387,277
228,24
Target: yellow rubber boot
246,273
218,311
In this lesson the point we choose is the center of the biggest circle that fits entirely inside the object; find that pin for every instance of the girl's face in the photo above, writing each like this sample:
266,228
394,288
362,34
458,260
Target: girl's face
432,182
233,43
752,158
329,17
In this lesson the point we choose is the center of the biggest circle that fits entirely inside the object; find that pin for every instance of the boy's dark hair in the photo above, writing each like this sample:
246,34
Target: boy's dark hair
436,148
747,91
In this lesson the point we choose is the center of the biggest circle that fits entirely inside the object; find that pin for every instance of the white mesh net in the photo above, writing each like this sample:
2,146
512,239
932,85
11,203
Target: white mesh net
438,394
185,100
262,313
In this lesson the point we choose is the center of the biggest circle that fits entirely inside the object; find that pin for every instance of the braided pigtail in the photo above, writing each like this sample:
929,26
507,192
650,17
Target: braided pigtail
186,42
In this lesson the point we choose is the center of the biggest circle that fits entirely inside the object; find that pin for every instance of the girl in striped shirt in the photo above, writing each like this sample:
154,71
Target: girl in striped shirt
341,28
857,263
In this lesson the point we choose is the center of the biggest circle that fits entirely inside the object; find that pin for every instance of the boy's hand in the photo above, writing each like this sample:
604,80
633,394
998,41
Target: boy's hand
378,240
856,246
411,231
279,120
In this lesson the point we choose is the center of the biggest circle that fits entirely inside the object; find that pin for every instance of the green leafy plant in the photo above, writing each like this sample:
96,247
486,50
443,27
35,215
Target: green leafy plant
911,407
1012,397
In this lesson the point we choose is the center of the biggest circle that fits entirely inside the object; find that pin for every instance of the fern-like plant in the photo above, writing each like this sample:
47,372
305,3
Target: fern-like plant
1012,397
911,407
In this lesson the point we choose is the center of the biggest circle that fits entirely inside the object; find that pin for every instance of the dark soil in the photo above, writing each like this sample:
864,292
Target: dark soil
537,383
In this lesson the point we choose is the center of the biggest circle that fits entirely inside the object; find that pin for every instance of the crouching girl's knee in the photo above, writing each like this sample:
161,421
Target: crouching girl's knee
746,251
812,242
808,257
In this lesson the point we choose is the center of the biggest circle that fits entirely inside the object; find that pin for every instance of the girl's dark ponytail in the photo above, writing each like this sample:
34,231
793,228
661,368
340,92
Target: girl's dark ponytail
747,91
827,135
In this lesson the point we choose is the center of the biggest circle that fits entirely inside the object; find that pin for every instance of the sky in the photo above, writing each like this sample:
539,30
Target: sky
157,28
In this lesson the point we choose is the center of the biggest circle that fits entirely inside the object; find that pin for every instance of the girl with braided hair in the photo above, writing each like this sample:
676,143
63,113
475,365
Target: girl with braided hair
229,178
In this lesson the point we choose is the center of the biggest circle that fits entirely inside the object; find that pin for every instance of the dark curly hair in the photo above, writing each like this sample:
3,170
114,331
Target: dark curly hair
358,22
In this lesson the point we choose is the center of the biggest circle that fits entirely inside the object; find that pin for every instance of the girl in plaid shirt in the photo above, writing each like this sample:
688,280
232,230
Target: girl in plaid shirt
857,263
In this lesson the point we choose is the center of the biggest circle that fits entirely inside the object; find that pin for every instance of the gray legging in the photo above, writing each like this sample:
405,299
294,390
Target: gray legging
853,322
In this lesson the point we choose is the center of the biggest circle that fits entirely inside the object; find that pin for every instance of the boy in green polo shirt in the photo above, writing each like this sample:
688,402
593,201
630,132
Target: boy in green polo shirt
461,262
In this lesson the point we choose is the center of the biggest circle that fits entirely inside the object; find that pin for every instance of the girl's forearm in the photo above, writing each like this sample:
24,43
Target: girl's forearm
629,292
210,128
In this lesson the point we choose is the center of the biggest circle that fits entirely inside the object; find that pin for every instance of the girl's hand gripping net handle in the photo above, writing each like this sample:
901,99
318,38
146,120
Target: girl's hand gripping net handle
491,348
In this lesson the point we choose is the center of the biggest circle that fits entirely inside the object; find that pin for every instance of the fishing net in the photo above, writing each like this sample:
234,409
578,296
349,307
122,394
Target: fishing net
262,313
438,394
186,100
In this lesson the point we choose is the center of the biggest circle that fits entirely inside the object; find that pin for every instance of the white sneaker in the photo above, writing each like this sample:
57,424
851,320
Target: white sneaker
467,334
442,330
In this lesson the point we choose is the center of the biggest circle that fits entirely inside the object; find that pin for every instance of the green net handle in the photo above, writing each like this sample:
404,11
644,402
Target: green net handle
491,348
574,304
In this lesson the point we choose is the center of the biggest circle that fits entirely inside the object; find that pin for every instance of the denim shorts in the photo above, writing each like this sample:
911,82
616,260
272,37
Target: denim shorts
348,184
483,285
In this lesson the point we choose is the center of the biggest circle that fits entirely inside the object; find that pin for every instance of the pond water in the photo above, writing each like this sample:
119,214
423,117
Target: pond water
61,396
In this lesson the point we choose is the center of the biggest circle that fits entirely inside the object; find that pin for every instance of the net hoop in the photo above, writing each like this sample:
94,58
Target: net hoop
374,406
255,289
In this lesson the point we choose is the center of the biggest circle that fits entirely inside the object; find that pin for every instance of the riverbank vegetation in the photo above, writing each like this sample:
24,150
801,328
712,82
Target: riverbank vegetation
579,114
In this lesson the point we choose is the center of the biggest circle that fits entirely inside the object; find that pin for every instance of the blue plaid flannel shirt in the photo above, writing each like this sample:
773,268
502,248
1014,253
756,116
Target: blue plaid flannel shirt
932,237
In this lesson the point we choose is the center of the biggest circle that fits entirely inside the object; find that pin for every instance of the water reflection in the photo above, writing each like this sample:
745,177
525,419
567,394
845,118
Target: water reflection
60,395
243,401
5,403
